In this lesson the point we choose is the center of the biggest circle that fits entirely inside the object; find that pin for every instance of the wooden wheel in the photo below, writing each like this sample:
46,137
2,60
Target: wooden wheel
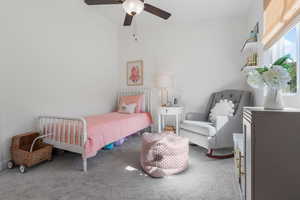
211,155
10,164
22,169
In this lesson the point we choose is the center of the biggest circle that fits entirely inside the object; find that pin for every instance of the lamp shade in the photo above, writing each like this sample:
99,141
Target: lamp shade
164,81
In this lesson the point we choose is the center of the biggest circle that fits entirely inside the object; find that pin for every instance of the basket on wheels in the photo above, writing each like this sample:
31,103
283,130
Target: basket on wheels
28,150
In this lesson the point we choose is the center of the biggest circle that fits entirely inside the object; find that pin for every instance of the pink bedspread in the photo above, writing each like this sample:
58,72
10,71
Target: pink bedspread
110,127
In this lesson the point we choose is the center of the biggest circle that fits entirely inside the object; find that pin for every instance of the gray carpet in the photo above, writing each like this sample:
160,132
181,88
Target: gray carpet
107,178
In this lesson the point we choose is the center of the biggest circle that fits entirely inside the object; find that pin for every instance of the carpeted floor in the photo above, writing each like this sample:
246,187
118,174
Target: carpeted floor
111,176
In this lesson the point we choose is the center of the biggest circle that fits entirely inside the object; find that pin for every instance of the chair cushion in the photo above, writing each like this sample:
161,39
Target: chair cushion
223,108
198,127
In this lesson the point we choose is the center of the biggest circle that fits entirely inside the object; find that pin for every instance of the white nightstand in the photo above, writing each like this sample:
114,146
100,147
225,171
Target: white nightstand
163,111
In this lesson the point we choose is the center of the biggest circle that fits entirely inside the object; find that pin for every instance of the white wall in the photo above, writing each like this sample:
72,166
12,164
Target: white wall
256,15
204,57
56,57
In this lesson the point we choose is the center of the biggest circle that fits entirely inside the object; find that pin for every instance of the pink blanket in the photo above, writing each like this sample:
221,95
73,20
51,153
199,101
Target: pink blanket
110,127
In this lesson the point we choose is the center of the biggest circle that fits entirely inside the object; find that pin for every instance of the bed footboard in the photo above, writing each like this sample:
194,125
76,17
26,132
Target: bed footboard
65,133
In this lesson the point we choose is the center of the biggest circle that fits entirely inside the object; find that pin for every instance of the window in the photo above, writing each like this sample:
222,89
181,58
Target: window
279,15
289,44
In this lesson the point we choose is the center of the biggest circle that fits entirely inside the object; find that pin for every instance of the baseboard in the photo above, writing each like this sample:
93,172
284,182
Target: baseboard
3,165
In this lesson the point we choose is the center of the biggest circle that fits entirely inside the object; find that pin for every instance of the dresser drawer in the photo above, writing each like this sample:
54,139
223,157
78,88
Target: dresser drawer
237,163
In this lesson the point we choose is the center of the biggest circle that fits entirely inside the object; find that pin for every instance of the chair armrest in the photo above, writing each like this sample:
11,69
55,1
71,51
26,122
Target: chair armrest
208,125
196,116
221,121
197,123
224,136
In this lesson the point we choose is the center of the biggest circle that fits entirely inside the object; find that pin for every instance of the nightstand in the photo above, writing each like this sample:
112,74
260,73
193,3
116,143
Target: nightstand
165,111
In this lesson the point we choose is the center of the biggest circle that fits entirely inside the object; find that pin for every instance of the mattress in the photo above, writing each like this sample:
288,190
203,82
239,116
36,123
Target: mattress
110,127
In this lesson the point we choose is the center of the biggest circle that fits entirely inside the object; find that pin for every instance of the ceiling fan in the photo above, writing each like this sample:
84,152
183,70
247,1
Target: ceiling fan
132,8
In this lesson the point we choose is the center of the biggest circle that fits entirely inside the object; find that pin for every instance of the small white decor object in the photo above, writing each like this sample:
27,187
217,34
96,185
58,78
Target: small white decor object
223,108
275,77
127,109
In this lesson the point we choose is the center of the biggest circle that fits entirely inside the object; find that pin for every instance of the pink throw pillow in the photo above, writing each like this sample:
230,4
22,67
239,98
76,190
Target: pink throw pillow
138,100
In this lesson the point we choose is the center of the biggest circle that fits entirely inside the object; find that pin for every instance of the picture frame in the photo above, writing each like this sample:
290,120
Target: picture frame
135,73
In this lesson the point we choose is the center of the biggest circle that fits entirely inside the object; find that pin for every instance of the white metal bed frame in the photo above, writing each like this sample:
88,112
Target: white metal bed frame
53,127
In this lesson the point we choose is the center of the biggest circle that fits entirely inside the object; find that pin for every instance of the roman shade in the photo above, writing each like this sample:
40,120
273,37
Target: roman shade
279,17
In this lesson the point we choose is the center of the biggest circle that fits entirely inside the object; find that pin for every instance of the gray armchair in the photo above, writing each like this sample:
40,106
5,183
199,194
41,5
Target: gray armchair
217,136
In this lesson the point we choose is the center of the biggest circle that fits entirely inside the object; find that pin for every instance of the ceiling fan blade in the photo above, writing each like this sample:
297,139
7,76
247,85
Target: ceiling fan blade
128,20
102,2
156,11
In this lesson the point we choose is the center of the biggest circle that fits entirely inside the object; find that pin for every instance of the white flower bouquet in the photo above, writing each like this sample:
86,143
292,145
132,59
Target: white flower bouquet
276,77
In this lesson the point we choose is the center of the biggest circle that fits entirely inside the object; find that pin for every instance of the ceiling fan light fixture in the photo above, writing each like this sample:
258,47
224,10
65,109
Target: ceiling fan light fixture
133,7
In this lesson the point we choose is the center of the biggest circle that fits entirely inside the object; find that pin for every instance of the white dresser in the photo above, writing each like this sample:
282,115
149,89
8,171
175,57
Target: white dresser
267,160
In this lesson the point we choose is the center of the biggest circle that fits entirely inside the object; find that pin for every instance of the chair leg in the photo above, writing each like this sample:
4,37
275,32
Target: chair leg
210,155
84,164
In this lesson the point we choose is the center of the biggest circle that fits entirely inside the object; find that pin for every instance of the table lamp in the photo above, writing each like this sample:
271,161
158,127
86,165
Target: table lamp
164,82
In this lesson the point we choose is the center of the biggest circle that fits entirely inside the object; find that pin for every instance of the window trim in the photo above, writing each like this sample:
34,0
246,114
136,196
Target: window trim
297,58
271,56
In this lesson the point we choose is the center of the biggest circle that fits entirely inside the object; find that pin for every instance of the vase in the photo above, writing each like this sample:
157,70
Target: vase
274,100
259,96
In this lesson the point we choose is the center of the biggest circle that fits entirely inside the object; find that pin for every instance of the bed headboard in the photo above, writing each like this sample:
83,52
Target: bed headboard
147,107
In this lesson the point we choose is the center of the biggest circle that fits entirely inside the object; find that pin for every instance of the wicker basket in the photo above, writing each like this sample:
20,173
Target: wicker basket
170,129
20,151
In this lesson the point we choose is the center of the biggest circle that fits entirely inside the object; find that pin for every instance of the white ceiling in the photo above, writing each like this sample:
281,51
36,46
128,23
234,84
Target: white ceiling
182,10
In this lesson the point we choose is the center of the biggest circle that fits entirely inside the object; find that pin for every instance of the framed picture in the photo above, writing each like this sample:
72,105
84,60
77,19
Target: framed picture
135,73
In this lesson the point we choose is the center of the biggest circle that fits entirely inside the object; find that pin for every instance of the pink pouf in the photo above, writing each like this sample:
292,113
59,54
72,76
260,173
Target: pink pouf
164,154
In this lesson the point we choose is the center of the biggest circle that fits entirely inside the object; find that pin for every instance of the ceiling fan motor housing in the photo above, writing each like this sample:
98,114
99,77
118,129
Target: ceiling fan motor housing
133,7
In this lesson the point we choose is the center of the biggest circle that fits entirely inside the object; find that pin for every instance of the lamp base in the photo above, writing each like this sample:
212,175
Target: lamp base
164,93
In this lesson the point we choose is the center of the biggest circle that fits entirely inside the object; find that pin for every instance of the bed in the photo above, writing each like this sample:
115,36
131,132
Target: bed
88,135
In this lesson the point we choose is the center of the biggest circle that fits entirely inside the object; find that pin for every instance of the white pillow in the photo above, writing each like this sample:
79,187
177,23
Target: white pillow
127,108
223,108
